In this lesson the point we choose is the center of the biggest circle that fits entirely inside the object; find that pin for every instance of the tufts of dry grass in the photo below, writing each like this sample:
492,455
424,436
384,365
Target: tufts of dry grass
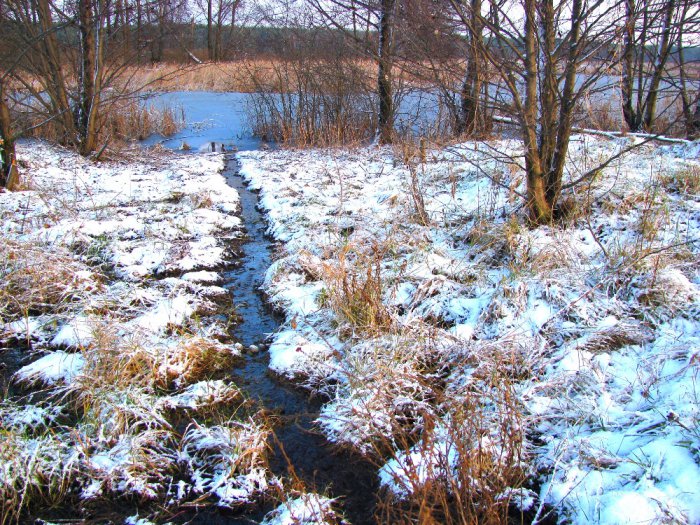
34,280
685,181
44,477
121,121
242,76
116,361
354,288
468,466
192,360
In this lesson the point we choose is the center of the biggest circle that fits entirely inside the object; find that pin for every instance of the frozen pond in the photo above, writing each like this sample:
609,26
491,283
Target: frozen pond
210,117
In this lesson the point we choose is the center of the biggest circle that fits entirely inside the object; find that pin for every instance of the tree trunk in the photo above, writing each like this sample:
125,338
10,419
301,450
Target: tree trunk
471,117
7,148
210,35
90,75
51,64
217,33
540,210
659,66
629,113
139,26
566,108
384,81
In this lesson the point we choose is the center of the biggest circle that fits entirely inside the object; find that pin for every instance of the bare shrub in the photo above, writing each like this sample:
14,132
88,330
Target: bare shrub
312,103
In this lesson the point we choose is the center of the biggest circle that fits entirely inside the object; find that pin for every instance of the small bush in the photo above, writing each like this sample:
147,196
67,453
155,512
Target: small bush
312,103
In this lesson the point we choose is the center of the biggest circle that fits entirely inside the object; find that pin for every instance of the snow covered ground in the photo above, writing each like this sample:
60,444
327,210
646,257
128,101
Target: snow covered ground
553,370
108,283
557,367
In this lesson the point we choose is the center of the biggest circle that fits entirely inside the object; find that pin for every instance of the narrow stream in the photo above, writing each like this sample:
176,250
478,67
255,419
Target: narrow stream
313,460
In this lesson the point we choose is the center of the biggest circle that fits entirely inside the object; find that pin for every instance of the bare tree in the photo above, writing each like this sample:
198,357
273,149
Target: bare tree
385,62
688,30
69,65
356,19
649,38
218,13
91,25
548,57
7,143
472,115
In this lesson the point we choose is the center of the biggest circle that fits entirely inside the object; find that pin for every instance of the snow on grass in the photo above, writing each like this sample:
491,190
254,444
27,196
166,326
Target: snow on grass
202,394
594,322
117,262
307,509
227,461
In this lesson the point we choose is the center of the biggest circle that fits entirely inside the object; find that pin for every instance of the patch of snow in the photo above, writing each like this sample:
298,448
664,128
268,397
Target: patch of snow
56,367
308,509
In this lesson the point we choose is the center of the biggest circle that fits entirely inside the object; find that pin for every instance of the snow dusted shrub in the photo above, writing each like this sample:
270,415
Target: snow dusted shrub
354,288
468,466
312,103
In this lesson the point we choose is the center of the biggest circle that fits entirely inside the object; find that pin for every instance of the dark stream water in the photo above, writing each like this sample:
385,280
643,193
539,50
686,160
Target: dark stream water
297,446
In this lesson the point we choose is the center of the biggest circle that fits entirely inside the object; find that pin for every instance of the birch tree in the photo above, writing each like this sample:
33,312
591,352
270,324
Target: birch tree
355,19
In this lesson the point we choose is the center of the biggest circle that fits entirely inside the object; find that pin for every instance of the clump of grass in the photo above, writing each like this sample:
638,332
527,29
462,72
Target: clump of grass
385,391
33,280
33,471
684,181
115,361
133,120
228,460
354,288
615,337
468,464
202,199
192,360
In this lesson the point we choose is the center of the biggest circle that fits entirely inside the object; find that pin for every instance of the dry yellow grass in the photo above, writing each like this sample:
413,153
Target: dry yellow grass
244,76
